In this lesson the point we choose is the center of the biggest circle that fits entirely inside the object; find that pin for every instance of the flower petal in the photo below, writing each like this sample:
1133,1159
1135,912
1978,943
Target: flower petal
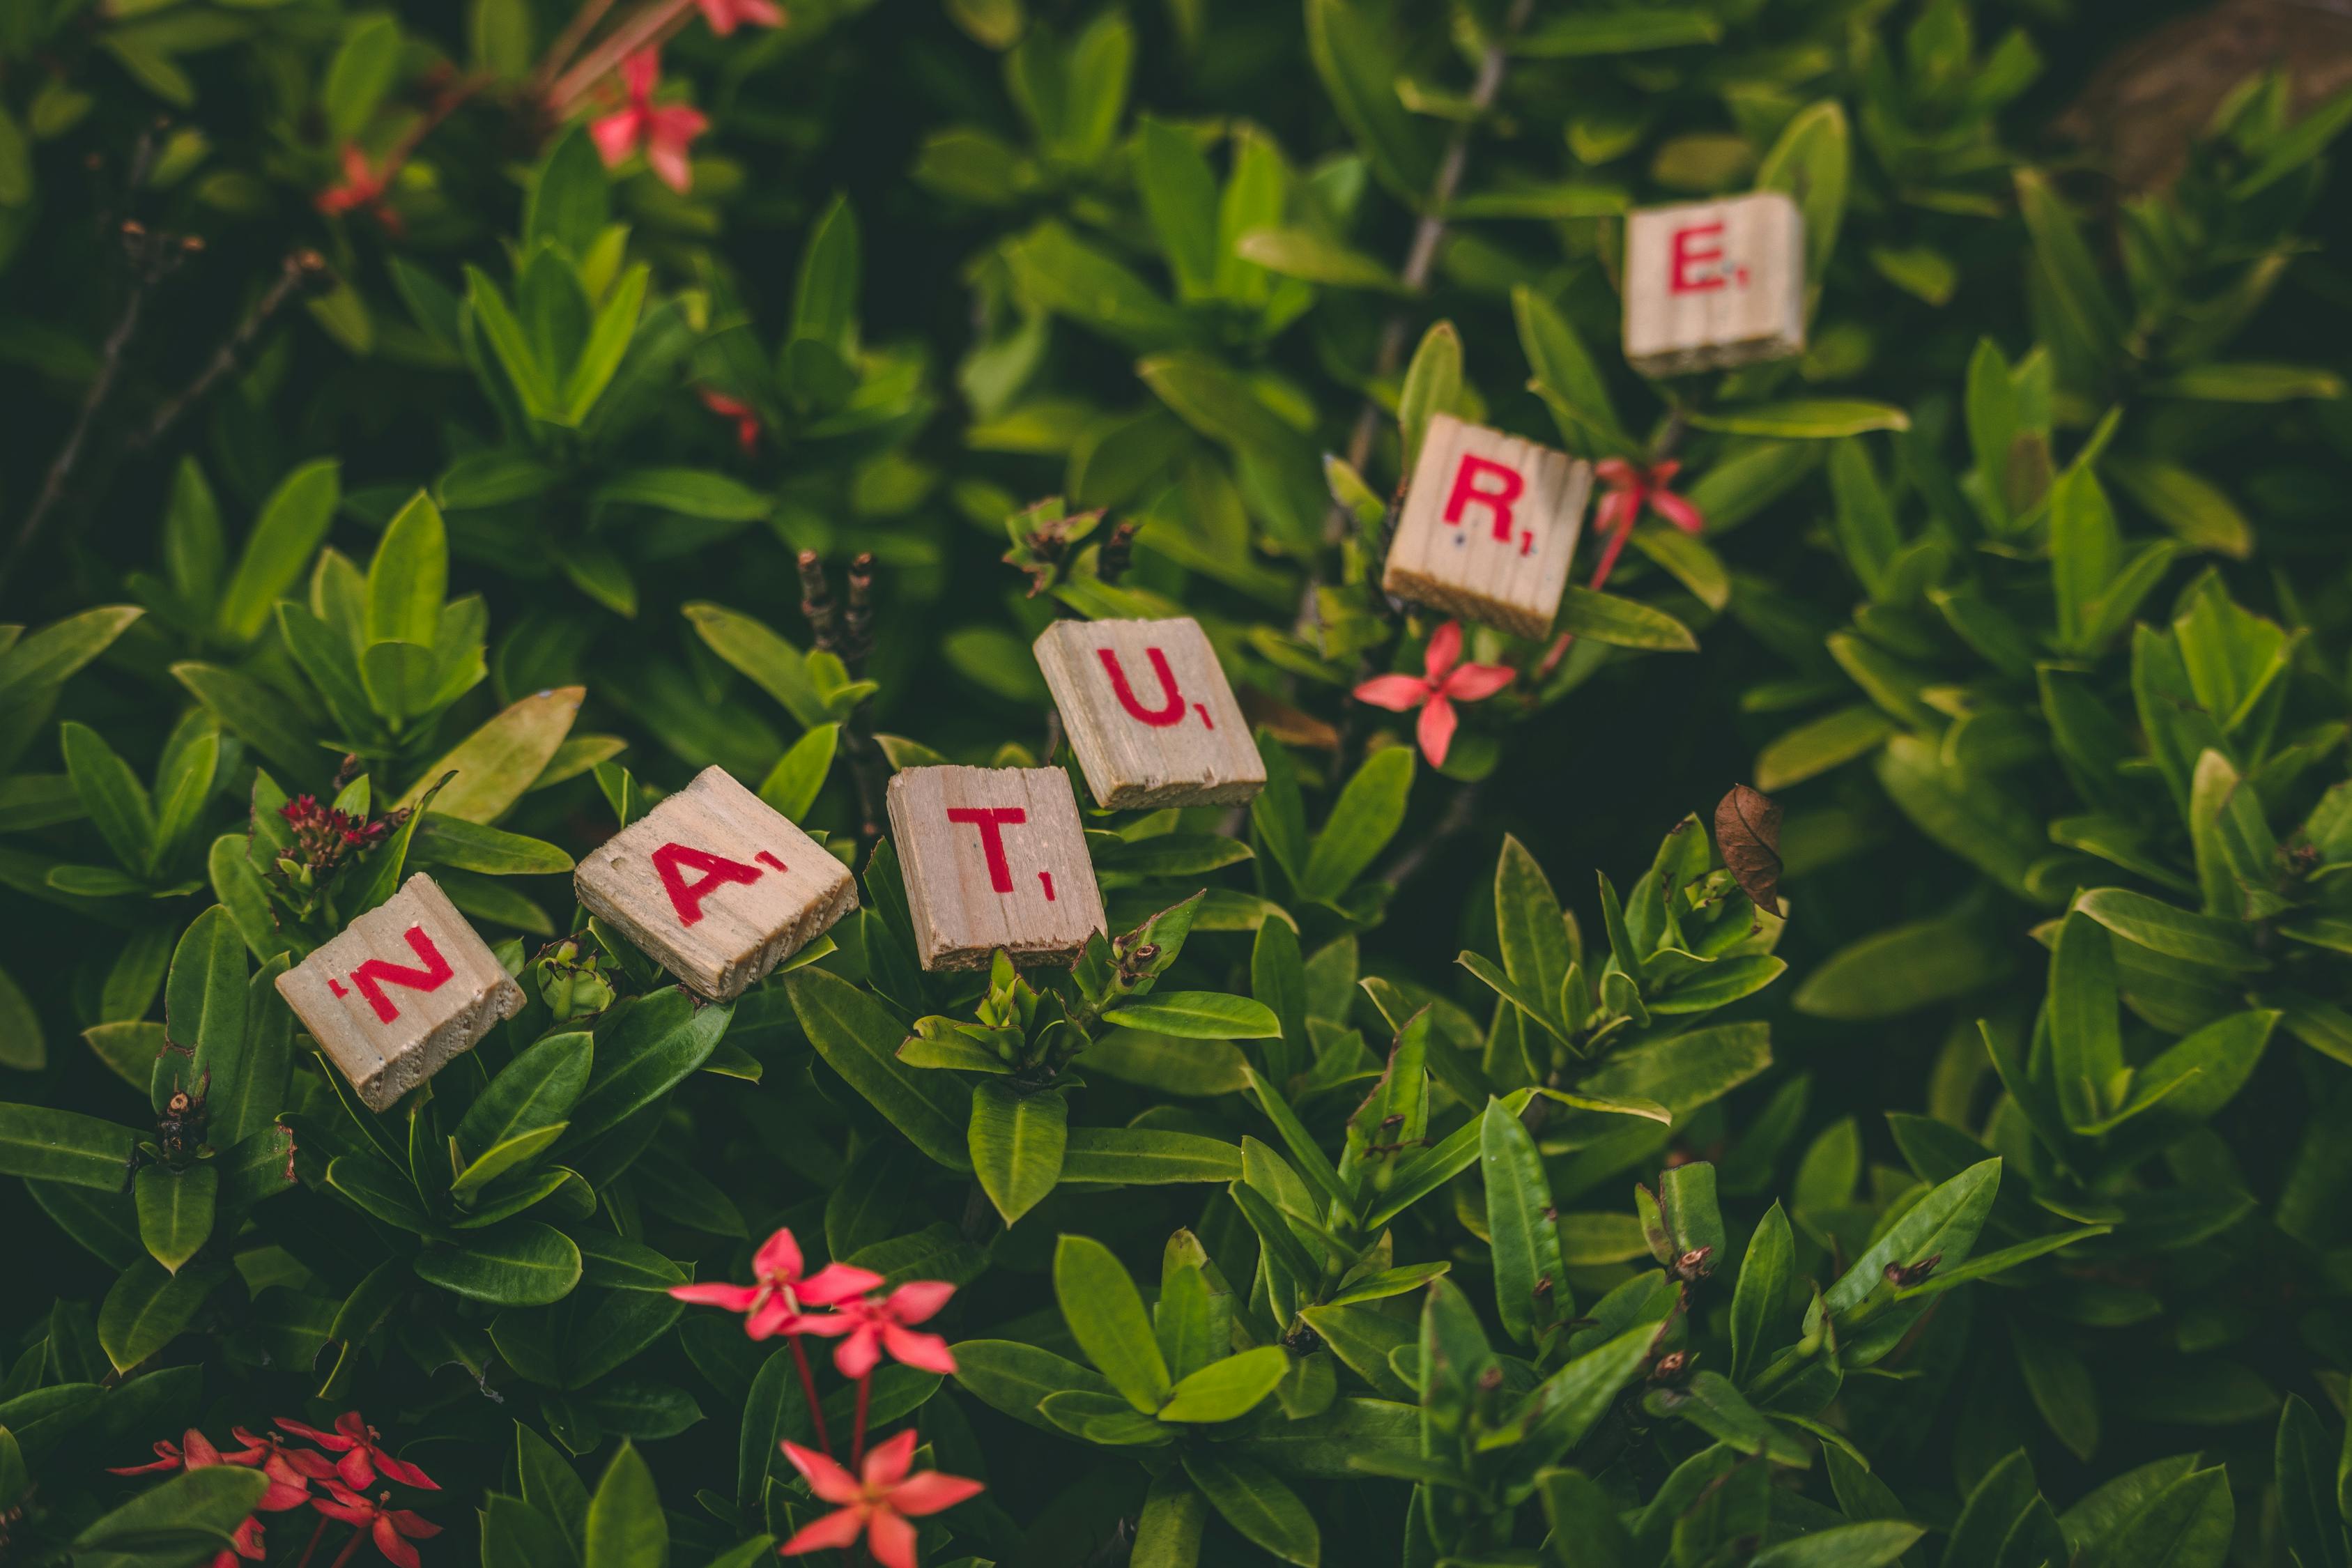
334,1442
930,1492
1397,693
1443,650
1435,730
835,1283
734,1298
891,1540
1470,682
833,1530
825,1478
857,1354
885,1462
615,136
918,1299
388,1542
779,1260
403,1472
641,72
1678,512
926,1353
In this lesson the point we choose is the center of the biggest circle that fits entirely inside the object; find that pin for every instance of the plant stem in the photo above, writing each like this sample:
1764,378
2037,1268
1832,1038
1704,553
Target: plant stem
349,1547
648,30
858,1435
808,1392
301,269
316,1536
567,44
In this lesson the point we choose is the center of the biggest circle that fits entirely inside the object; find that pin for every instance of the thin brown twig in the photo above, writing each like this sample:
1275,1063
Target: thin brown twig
300,270
649,29
567,44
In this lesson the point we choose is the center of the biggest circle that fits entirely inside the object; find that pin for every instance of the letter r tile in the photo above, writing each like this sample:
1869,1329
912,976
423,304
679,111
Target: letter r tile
403,988
1149,714
1488,527
717,885
994,858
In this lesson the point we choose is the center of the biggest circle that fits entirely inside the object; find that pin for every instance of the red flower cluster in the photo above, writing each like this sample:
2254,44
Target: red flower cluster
293,1471
324,837
867,1325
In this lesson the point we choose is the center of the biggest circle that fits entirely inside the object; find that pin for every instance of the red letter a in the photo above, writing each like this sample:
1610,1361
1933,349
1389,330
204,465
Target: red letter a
716,872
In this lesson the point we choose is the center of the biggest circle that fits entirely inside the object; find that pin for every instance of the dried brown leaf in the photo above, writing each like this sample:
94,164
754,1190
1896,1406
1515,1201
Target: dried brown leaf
1747,832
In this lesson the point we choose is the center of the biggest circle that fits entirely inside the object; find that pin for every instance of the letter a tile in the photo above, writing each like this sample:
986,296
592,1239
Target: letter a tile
1149,713
717,885
1488,527
1714,284
403,989
994,858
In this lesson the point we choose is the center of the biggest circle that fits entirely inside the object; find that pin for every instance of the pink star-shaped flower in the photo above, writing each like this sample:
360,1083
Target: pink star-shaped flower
364,1457
875,1503
663,130
1448,681
869,1328
391,1527
773,1302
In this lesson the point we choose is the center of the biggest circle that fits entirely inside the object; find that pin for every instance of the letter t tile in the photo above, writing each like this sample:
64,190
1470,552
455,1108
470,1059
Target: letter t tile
994,858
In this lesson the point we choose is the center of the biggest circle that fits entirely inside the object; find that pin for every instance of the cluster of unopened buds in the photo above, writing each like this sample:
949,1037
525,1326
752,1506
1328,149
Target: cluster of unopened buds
334,1476
873,1496
324,837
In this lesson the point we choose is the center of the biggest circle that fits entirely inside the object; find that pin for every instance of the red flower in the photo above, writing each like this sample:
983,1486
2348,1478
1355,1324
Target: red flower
364,1457
290,1470
724,15
746,418
194,1451
772,1302
877,1502
1448,681
663,130
871,1327
386,1524
1631,489
362,189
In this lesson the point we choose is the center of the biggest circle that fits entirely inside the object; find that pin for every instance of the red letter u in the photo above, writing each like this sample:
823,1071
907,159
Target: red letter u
1172,706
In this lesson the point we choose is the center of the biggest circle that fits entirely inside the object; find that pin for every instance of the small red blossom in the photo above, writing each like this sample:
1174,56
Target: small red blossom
1447,682
868,1328
290,1470
193,1451
364,1455
877,1502
662,130
1632,490
724,15
363,188
746,418
391,1528
780,1288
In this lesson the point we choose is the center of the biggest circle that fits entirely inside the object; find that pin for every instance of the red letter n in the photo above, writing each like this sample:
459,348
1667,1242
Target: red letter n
1682,280
1172,701
990,821
1497,500
716,870
376,974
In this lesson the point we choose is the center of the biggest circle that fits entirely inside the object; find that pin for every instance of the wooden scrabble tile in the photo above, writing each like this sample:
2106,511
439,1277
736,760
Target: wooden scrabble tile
1712,284
717,885
1149,713
1489,526
406,987
994,858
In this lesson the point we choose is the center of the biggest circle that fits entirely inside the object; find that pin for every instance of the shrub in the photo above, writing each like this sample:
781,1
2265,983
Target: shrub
441,434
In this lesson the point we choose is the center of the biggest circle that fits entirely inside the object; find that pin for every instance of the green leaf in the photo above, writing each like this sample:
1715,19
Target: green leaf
1107,1318
2250,383
643,1050
49,656
2067,265
1197,1016
1367,814
625,1527
1167,1533
147,1307
292,524
1530,1279
65,1146
1869,1544
176,1211
179,1523
1901,970
112,795
1139,1157
2307,1482
2171,932
1312,258
1015,1378
2087,1045
1710,1403
533,1092
1620,622
1820,745
1763,1292
409,577
1229,1389
1804,418
2292,150
2189,1525
1257,1505
521,1263
1360,63
1583,34
771,663
499,763
1017,1142
1942,1225
791,786
1810,164
1433,385
859,1039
